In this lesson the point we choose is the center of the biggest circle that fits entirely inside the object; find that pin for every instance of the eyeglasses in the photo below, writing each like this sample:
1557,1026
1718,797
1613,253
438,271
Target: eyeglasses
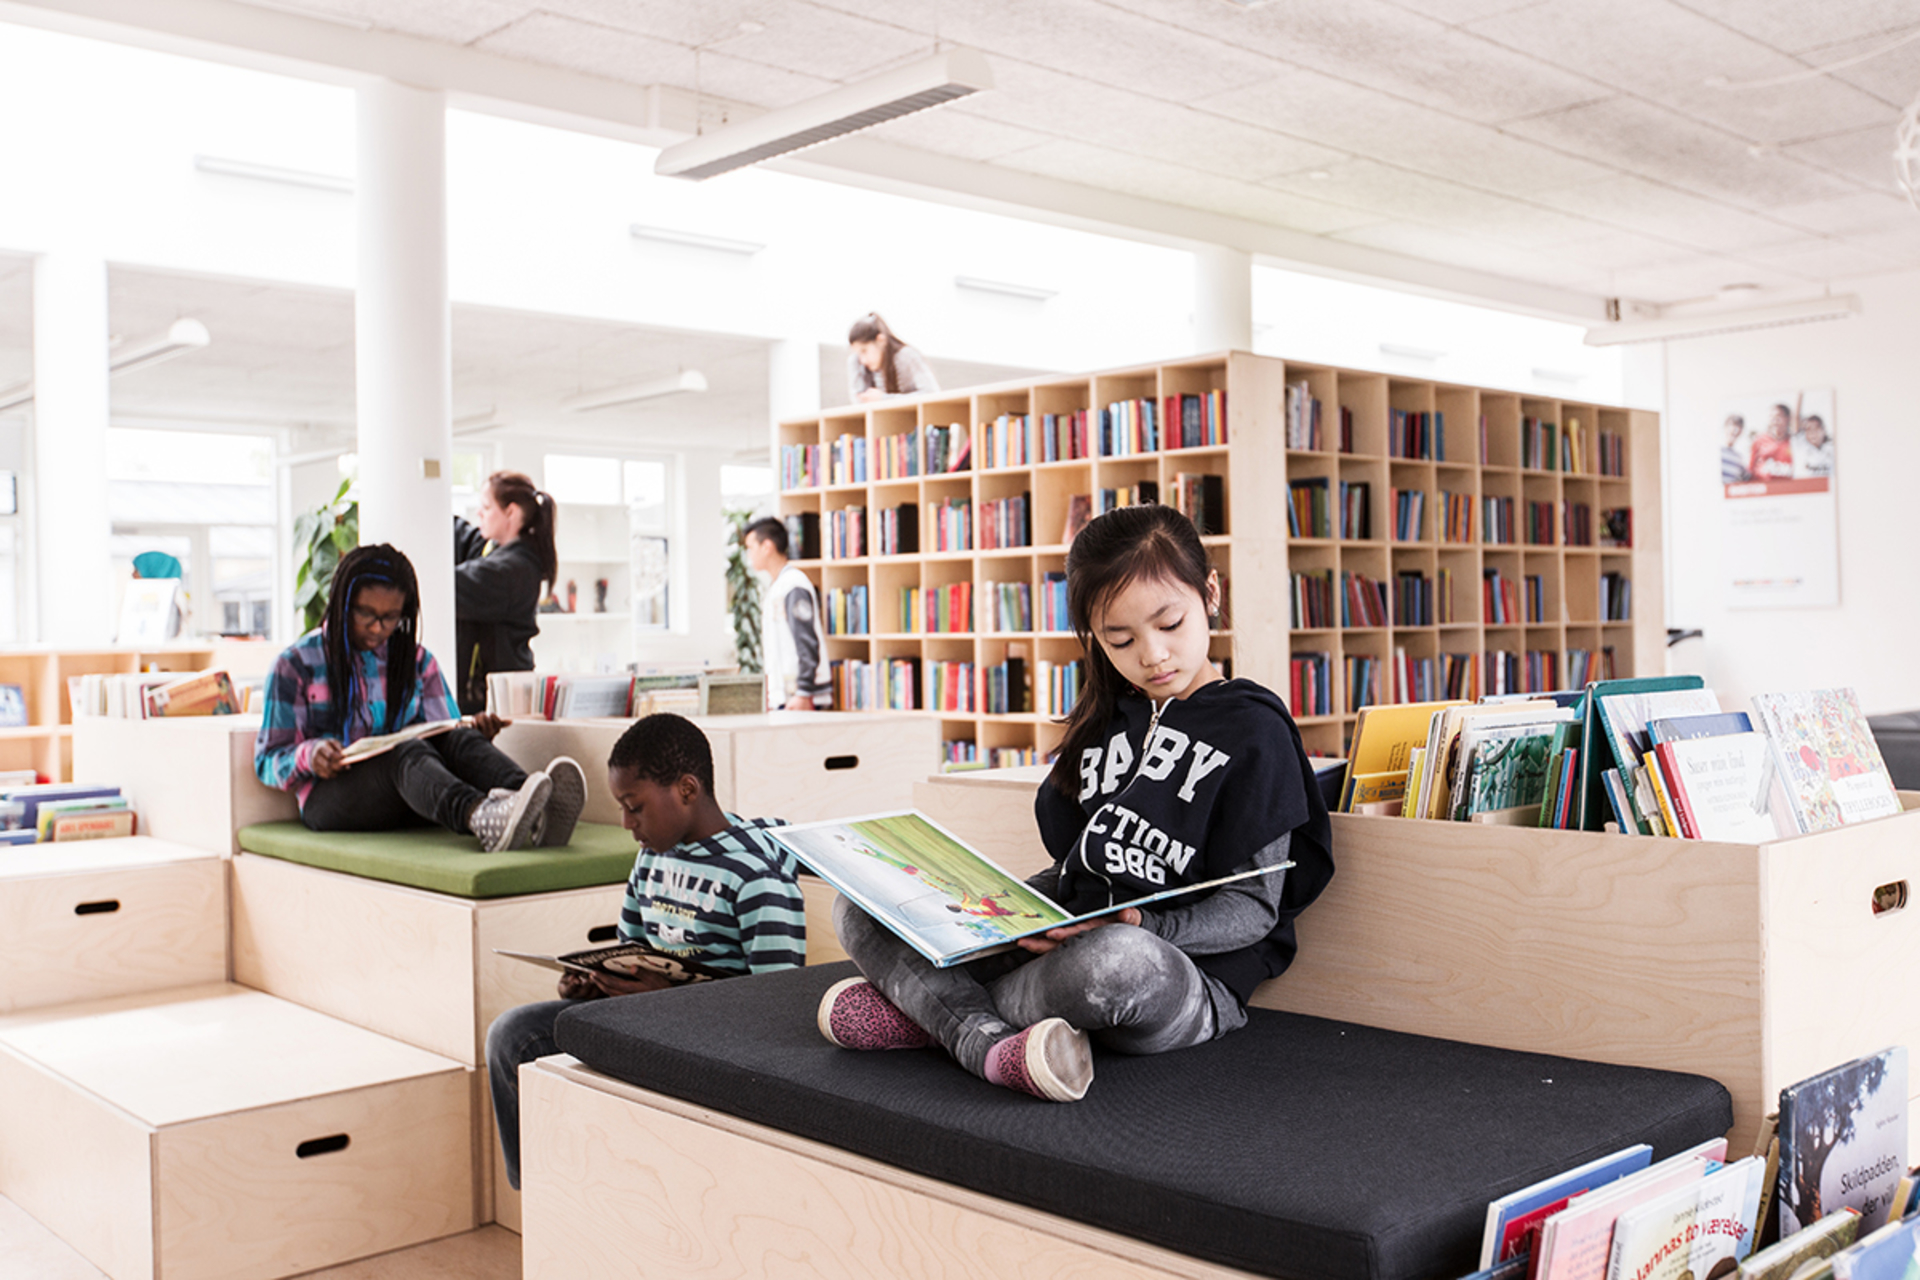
368,618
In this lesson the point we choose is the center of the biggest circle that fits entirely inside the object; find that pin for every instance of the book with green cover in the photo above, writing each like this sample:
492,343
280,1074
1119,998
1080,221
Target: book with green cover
1595,759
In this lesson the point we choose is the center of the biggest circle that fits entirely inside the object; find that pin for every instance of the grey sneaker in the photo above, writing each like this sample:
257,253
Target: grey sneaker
508,819
569,797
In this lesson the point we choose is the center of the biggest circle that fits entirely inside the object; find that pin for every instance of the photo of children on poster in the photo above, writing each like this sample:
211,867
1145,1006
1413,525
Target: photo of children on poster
1779,514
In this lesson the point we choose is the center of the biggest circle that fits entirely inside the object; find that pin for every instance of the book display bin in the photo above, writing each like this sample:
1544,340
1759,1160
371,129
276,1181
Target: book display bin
1573,604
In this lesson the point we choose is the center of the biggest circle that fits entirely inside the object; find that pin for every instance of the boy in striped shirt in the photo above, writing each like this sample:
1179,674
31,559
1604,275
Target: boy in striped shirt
707,886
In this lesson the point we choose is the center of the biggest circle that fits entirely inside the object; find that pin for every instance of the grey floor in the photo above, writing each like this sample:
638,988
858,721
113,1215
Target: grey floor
28,1251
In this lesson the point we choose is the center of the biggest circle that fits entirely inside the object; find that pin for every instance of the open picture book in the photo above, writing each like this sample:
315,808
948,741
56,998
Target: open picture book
381,743
942,897
622,960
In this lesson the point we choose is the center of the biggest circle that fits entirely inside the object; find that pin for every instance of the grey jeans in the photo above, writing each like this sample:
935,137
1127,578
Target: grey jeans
1131,991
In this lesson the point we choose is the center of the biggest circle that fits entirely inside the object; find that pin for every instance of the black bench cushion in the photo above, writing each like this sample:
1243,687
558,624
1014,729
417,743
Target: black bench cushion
1295,1147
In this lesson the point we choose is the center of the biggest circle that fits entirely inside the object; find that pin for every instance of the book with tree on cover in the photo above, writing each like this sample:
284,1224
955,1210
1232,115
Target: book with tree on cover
1843,1141
942,897
381,743
623,960
1833,767
1700,1230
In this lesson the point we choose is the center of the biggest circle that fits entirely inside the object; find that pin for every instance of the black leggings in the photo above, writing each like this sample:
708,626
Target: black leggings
438,779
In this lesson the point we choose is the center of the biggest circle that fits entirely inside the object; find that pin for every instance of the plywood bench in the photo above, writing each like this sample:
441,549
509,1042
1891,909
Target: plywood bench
1757,965
712,1128
216,1132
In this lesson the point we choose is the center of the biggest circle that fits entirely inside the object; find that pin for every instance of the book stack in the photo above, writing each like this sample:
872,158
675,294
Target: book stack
1364,673
1414,679
1613,453
953,525
897,457
1497,519
1129,427
847,611
944,610
950,686
1003,686
62,811
1309,514
1409,512
1413,599
1063,436
802,466
1456,516
1538,531
1346,429
1007,441
1056,686
847,533
1053,602
1303,417
848,460
1147,491
1005,522
888,685
1009,606
1536,599
1616,597
1202,498
1312,599
1363,601
1195,421
1356,509
898,531
1310,684
1416,434
1577,524
960,753
132,696
1499,599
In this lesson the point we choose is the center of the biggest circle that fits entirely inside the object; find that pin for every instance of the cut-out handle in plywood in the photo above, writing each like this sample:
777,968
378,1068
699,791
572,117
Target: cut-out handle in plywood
100,908
321,1146
842,762
1891,896
603,933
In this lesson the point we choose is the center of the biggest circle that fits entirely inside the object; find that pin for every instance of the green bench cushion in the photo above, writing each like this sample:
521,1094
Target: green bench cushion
430,858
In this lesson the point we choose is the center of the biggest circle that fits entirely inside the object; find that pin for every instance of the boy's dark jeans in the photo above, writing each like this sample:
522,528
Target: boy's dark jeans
439,779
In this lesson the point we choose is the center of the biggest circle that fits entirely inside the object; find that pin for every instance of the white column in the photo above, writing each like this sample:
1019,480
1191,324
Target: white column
403,344
71,523
793,388
1222,299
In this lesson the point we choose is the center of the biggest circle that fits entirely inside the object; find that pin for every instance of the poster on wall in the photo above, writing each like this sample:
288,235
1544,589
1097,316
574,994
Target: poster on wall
1778,515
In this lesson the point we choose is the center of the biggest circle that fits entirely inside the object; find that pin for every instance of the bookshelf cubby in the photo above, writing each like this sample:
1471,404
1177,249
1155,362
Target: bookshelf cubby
1428,462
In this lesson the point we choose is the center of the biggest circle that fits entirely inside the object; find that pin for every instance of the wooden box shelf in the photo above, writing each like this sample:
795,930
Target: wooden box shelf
1484,453
216,1132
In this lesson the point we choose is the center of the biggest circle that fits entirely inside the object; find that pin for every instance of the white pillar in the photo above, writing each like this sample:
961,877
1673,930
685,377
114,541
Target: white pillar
1222,299
403,344
72,527
793,389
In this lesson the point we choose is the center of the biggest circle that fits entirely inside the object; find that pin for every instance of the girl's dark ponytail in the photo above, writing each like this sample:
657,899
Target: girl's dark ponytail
1126,544
539,517
866,329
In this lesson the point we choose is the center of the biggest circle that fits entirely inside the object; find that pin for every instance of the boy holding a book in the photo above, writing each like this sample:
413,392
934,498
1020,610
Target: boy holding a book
708,889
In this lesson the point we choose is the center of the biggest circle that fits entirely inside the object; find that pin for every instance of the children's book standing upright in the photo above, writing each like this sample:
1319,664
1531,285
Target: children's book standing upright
1833,767
1843,1141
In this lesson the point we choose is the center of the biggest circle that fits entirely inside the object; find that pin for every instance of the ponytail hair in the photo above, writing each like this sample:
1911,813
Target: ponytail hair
1125,545
866,329
538,516
381,565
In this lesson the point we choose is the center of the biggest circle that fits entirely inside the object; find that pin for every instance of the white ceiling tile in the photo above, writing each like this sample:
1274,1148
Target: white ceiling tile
1401,195
1454,248
1660,51
1692,279
1845,215
1175,184
823,43
1892,75
1796,26
688,24
1620,250
1372,124
1864,155
954,131
1820,259
1636,136
1458,11
592,48
452,21
1899,241
1656,209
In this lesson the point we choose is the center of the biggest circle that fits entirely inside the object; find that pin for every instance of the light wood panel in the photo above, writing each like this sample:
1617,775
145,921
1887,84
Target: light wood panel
191,779
613,1174
108,917
546,924
992,811
397,960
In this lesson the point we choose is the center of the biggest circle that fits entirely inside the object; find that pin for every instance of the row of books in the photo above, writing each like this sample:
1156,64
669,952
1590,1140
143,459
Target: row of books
898,531
953,525
1056,686
1653,756
963,688
1135,495
1006,522
1201,498
1545,446
942,610
847,460
847,533
964,754
931,450
1774,1214
803,535
153,695
1009,606
1175,422
1018,440
1409,514
891,684
1413,433
1363,601
624,695
846,612
34,812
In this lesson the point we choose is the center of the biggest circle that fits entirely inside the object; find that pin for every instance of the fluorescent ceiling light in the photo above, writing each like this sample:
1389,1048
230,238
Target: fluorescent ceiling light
1033,292
1409,353
668,235
271,173
1710,323
180,337
686,380
835,114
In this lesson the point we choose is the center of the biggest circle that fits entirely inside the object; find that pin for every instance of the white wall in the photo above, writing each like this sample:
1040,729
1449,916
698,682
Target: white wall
1869,641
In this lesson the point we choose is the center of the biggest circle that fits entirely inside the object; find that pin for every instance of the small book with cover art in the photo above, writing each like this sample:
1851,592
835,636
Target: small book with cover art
623,960
1843,1141
1832,765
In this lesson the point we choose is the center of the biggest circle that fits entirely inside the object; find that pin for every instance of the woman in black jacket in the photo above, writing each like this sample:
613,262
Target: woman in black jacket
499,565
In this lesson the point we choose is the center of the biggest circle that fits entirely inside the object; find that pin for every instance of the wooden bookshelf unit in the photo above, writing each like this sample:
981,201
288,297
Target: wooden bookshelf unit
45,742
845,468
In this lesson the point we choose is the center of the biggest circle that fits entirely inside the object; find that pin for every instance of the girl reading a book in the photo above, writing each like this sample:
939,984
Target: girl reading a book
363,673
1168,775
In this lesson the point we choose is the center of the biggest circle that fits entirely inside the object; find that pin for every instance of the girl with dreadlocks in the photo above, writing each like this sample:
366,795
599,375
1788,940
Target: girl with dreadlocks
364,672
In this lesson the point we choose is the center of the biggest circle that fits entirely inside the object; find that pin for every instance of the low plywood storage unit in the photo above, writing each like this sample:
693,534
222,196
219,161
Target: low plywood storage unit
216,1132
1756,965
108,917
191,779
799,765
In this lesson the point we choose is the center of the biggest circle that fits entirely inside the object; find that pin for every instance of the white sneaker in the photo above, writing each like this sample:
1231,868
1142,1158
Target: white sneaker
568,798
509,819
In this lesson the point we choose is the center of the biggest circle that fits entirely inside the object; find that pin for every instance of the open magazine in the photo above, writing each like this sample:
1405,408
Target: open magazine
381,743
944,899
623,960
